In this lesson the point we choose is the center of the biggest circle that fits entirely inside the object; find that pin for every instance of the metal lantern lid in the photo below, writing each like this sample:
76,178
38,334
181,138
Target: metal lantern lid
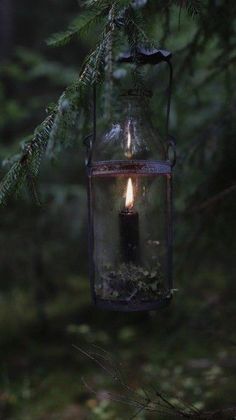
130,204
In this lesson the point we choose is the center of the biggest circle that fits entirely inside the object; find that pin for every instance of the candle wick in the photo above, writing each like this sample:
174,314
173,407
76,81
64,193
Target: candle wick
129,207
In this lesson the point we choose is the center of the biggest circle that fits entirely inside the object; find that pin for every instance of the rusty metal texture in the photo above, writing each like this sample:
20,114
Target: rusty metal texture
126,168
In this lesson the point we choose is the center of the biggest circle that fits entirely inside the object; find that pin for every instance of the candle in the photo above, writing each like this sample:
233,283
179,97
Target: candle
129,227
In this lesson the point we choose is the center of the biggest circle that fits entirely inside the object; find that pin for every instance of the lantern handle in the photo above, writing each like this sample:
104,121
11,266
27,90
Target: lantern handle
89,140
171,141
169,95
94,112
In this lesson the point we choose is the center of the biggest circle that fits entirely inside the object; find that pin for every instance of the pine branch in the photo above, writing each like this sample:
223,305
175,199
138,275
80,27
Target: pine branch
29,161
80,25
135,32
63,117
97,11
94,65
64,132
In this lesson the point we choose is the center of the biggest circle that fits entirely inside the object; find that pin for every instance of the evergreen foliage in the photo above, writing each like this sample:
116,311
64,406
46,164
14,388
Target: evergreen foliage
79,27
27,166
116,20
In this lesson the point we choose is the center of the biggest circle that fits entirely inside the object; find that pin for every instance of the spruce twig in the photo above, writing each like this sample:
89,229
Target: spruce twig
29,161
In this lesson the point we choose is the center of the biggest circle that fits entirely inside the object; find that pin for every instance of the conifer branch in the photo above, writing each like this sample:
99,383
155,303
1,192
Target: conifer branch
27,166
80,25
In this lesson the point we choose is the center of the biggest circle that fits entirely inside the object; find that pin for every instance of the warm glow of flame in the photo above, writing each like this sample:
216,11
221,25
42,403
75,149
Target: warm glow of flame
129,199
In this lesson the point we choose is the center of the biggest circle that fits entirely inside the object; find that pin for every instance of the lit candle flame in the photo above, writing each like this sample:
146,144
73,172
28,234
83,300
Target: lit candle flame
129,199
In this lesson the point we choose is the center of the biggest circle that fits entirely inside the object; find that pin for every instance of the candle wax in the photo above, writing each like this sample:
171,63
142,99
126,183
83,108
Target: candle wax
129,235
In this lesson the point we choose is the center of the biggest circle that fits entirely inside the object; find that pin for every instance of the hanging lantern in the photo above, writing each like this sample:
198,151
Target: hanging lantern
129,174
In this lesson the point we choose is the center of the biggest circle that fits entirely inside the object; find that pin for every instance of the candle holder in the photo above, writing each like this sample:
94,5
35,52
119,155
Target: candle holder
129,174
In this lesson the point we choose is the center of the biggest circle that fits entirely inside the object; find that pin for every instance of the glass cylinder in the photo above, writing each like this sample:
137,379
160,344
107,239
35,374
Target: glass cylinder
130,213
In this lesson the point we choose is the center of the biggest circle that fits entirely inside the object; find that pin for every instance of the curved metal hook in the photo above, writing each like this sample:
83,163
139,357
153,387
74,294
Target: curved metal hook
91,138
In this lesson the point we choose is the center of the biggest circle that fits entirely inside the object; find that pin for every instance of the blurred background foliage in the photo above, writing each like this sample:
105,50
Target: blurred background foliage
186,351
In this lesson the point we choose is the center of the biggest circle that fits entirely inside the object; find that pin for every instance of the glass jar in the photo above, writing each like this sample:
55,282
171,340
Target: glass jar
130,213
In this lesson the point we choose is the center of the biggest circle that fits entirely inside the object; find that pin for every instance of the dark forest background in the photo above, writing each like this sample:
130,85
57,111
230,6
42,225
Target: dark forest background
185,352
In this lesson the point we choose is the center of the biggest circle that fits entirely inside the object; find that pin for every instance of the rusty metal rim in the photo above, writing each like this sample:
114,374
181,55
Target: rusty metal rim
114,168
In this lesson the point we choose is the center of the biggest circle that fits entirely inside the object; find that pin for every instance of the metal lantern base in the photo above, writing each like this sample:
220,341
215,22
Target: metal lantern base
124,306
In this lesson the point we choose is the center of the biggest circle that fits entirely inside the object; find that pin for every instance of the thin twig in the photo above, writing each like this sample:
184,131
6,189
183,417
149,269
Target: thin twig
212,200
